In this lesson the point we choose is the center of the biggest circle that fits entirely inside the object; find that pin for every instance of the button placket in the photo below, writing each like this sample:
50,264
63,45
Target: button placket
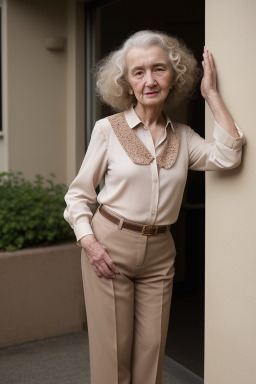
154,174
155,190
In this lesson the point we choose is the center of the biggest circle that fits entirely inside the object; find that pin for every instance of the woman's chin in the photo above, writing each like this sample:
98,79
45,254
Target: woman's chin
152,102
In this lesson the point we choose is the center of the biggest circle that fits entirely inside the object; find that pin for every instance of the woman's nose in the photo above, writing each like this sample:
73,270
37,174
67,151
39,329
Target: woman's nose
150,81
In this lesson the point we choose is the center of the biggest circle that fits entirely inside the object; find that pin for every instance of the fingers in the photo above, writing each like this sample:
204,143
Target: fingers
206,62
208,84
208,59
211,62
96,271
110,263
101,262
104,270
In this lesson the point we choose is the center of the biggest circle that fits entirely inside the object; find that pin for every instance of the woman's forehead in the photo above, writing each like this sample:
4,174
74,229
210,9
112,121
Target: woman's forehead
138,56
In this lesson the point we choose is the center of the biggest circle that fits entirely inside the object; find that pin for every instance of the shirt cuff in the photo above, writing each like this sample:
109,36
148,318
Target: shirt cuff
82,229
222,136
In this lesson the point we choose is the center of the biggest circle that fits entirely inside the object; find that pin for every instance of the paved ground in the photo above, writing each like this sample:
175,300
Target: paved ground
60,360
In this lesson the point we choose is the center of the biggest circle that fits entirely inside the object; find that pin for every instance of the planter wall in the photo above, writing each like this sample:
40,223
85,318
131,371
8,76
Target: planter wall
41,293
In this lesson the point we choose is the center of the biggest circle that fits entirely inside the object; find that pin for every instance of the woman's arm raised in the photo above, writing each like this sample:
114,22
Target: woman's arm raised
212,97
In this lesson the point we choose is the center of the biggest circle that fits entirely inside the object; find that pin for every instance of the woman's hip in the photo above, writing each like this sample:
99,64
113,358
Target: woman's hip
134,253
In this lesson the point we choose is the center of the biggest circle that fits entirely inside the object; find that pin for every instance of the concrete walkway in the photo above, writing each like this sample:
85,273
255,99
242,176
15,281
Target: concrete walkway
60,360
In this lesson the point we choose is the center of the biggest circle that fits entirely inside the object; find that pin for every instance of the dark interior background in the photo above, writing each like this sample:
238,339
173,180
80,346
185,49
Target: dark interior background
113,22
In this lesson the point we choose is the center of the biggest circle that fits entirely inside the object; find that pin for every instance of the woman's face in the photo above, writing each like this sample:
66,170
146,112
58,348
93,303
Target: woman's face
149,74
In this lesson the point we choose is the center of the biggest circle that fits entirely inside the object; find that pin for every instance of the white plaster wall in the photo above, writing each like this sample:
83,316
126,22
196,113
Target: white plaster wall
230,335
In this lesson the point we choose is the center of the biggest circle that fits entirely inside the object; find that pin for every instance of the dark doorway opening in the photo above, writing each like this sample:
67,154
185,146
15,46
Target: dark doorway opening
108,23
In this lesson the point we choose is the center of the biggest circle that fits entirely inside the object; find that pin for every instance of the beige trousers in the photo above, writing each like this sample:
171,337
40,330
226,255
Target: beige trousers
128,316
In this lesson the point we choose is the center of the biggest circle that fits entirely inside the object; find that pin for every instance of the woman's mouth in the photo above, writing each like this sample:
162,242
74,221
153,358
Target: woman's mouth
152,93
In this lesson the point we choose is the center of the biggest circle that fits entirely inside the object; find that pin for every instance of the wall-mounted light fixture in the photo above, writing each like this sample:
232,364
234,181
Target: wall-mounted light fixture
55,43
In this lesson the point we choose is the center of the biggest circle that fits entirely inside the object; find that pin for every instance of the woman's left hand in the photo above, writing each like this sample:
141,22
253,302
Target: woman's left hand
209,80
210,94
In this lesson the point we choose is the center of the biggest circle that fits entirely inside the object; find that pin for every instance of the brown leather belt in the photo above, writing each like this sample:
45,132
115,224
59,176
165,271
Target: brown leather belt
146,230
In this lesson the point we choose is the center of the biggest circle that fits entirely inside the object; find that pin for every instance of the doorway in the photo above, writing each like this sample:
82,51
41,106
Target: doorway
108,23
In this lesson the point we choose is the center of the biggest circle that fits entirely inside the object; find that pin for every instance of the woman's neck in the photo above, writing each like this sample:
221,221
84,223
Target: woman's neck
150,116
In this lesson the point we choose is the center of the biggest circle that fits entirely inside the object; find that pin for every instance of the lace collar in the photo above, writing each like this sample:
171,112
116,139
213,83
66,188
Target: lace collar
136,149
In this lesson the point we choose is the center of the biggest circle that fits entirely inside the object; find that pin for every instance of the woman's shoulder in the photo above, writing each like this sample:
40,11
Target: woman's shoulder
185,131
181,127
104,125
105,121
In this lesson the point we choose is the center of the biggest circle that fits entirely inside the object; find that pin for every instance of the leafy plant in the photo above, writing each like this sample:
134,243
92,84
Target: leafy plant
31,213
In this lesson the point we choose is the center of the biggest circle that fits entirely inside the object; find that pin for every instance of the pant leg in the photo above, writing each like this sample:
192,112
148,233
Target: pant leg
152,292
109,306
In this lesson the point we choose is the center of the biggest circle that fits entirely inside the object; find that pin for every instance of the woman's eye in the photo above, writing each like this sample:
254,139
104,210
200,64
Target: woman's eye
159,69
139,73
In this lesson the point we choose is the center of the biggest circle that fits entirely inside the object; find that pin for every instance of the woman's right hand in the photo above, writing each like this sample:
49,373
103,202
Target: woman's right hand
101,263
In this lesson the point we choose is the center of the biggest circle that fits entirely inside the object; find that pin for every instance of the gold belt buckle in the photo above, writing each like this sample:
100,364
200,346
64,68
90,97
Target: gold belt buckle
149,230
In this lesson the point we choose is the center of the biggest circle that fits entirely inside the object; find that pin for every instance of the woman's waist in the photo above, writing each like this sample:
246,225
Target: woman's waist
122,222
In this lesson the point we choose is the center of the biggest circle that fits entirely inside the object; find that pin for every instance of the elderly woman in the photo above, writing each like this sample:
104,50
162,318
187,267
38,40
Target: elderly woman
128,250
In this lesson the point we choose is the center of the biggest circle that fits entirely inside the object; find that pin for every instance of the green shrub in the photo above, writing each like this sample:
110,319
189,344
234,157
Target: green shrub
31,213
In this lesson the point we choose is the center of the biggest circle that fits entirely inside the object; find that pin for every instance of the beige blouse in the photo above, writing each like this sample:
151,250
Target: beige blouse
144,193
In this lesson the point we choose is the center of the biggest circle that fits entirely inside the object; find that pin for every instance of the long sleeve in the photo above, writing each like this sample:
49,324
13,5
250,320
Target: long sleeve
224,153
82,190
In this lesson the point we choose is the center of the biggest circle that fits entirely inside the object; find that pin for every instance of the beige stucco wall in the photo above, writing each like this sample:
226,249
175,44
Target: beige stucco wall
41,293
36,87
43,90
75,146
4,133
230,338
